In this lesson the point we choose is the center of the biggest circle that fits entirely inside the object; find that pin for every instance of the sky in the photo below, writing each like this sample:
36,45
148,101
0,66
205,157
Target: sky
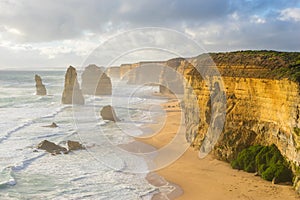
58,33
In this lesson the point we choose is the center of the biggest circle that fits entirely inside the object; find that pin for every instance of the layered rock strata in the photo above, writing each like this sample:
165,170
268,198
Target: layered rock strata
238,99
72,93
40,87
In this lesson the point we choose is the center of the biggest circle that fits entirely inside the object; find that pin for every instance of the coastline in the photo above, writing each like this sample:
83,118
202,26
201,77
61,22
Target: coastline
206,178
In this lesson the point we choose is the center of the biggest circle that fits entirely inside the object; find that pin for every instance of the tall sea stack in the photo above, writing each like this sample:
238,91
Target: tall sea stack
95,81
104,86
72,93
40,87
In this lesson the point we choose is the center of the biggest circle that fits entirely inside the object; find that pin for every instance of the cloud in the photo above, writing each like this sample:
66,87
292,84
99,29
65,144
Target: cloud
288,14
54,31
257,20
53,20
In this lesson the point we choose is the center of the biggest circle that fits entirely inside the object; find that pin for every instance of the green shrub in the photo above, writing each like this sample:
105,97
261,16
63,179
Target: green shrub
269,173
246,159
235,165
266,160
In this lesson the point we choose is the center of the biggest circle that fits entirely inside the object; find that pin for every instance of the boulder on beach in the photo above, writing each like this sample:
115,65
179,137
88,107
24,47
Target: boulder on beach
53,125
74,145
95,81
51,147
40,87
108,113
72,93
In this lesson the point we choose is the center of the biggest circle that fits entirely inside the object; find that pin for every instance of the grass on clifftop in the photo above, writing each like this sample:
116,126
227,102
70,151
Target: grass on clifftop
279,64
266,160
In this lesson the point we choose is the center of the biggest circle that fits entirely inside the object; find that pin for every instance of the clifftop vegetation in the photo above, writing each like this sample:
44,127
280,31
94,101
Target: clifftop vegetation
256,64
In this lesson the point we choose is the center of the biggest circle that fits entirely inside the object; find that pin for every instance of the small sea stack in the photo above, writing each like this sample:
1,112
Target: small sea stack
108,113
72,93
40,87
95,81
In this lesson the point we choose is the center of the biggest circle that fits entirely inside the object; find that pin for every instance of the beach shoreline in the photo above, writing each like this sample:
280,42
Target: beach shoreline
207,178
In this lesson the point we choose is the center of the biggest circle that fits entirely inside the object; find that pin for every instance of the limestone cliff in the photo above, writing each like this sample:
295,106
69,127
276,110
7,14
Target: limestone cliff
72,93
95,81
262,107
171,77
142,72
40,87
113,72
257,95
166,74
125,71
262,95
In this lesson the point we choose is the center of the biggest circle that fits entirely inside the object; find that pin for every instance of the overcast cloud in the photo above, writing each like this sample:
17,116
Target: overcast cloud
55,33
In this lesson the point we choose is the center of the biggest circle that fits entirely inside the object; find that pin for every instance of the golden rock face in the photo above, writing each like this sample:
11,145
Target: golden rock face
258,111
261,103
261,106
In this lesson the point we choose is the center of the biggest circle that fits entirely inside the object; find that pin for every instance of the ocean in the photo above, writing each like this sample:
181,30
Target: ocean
96,173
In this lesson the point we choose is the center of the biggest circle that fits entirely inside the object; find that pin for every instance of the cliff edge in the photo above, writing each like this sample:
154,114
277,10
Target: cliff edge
255,93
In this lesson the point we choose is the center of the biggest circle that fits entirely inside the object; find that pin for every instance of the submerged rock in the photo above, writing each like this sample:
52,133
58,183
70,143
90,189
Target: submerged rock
72,93
95,81
74,145
51,147
40,87
53,125
108,113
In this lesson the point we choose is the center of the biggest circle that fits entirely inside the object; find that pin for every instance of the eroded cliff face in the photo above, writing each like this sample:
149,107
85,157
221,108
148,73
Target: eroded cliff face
125,72
258,111
113,72
255,93
142,72
261,107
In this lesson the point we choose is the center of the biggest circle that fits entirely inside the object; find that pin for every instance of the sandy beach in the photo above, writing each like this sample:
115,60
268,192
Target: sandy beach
208,178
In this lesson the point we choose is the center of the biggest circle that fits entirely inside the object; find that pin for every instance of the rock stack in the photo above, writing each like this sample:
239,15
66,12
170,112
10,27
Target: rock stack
72,93
40,87
95,81
108,113
104,86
